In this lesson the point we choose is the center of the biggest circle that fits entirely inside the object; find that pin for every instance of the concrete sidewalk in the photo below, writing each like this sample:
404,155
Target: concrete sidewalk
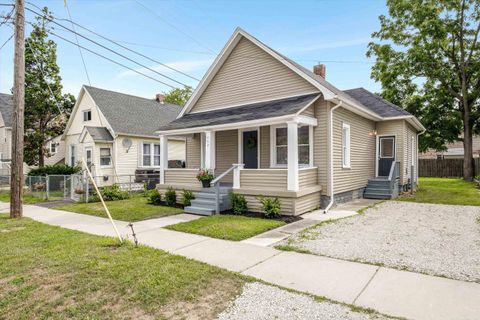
389,291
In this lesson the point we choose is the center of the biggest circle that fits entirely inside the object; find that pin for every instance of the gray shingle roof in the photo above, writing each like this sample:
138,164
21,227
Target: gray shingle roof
133,115
99,133
6,108
262,110
376,104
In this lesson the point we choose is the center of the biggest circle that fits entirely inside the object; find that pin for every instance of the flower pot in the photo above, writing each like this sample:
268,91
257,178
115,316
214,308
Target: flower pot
206,183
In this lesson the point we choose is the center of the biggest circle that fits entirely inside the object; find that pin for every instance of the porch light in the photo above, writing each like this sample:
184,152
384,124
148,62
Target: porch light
372,133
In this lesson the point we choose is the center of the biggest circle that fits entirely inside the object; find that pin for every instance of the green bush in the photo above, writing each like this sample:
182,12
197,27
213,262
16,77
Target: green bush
187,197
114,193
170,197
239,203
154,197
271,206
61,169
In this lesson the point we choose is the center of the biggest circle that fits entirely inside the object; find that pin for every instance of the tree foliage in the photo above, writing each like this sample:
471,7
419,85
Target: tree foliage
46,108
178,96
428,61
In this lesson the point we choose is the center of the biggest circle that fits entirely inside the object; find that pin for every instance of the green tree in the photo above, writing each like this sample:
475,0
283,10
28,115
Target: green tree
428,61
178,96
46,108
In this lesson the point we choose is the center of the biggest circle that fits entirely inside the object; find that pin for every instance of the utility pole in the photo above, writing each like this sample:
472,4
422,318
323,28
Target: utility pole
16,190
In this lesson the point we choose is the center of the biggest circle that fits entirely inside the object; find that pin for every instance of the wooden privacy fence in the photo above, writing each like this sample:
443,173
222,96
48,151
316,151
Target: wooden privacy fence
445,167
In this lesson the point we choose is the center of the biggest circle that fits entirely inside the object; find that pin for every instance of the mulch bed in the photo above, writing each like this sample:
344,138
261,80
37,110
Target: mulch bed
286,219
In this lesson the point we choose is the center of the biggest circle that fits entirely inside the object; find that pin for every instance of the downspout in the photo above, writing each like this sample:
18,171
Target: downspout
416,169
330,161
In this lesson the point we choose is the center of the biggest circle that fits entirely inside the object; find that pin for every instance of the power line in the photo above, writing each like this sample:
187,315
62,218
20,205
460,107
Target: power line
106,48
3,45
111,60
79,50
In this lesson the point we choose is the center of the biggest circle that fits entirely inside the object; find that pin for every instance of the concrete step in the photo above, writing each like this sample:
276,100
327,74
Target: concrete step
199,211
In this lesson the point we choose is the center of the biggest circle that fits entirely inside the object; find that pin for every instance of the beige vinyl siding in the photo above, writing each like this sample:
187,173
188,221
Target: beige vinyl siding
310,111
320,143
395,128
264,179
176,149
362,151
86,103
226,152
265,147
183,177
248,75
287,205
193,151
307,177
307,203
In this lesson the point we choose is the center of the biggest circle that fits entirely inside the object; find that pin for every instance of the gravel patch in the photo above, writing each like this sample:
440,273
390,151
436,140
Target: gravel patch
442,240
262,302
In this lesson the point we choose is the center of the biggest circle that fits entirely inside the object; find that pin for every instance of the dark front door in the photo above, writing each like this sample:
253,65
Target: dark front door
386,155
250,149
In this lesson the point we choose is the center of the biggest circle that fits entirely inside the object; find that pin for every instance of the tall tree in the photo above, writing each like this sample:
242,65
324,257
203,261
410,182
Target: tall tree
178,96
46,109
428,60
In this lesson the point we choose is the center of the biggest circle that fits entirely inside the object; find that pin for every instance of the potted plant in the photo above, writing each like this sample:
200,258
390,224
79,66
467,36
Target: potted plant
205,176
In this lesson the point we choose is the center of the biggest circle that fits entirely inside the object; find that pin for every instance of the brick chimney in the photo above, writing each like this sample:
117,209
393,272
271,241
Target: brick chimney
320,70
160,98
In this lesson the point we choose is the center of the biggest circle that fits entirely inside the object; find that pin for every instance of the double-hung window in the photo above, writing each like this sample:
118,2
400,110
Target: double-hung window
151,154
73,158
280,146
346,145
105,157
87,115
53,147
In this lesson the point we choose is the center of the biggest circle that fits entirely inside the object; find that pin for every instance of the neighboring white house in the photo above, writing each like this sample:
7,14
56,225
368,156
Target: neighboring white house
55,151
115,133
6,113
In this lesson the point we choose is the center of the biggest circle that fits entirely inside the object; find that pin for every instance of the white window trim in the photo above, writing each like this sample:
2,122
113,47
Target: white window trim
273,149
50,147
240,144
152,154
83,115
346,150
100,157
91,151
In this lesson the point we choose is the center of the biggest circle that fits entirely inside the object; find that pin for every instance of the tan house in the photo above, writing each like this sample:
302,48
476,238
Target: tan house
267,126
115,134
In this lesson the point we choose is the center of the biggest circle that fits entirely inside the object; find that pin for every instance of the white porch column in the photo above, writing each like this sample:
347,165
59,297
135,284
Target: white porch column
236,175
210,150
292,149
163,157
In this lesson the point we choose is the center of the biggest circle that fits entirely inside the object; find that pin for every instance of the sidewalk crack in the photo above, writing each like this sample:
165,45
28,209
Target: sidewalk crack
256,264
366,285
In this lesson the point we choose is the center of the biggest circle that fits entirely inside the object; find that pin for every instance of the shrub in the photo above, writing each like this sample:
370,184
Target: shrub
154,197
187,197
114,193
239,203
62,169
271,206
170,197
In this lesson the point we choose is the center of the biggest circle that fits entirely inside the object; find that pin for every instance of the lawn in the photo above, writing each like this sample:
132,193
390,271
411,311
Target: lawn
53,273
227,227
28,197
445,191
134,209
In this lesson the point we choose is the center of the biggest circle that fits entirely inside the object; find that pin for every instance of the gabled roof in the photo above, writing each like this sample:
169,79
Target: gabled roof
377,104
256,111
6,108
132,115
97,133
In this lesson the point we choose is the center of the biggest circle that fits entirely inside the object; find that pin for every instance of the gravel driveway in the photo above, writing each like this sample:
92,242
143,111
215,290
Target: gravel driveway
440,240
262,302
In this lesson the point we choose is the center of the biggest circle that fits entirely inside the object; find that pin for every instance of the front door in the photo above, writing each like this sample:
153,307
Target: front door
250,149
386,155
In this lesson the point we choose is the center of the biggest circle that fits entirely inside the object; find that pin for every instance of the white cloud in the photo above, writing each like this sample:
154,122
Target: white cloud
184,66
327,45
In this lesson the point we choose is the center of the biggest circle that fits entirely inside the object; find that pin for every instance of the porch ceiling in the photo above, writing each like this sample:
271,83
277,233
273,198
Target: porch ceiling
245,113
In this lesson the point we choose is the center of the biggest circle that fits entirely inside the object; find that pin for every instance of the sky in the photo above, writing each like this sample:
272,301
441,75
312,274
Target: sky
187,35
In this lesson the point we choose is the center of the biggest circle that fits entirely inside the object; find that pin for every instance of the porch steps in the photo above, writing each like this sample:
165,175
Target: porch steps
204,202
378,189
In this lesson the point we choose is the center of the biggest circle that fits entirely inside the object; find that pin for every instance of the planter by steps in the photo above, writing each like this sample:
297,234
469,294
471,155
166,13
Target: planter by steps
206,183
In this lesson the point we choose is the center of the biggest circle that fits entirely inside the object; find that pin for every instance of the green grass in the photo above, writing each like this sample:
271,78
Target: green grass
53,273
228,227
445,191
28,197
134,209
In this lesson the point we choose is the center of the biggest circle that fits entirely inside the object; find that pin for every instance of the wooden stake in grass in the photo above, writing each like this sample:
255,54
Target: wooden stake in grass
101,199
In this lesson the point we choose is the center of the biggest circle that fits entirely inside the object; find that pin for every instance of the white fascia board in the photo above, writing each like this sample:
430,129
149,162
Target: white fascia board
410,119
147,137
74,110
356,108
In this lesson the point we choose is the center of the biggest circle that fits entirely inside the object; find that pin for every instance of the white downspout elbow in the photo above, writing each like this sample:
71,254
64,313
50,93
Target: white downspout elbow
330,161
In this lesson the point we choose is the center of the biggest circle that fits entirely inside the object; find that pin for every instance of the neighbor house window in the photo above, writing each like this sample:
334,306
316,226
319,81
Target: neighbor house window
346,145
73,159
53,147
280,142
87,115
105,157
151,154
